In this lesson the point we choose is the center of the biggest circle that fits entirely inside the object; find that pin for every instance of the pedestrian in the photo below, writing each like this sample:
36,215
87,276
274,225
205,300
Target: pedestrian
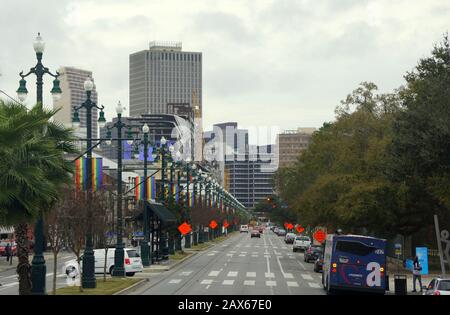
8,252
417,268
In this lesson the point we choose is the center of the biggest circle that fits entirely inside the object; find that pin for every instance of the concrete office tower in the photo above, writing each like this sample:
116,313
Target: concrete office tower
164,75
73,94
291,144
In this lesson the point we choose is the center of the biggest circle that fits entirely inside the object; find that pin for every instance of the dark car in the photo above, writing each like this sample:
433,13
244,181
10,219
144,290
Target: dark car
318,264
313,252
255,233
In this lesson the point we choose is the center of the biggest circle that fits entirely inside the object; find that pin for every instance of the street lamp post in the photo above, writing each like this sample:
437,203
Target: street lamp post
187,240
88,274
38,267
200,204
145,248
163,249
171,185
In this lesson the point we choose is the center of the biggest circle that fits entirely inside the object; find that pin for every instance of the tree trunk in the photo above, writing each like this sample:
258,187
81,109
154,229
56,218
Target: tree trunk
55,261
23,267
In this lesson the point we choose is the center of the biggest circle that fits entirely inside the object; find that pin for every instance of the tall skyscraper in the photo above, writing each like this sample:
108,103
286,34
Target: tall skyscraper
162,76
73,94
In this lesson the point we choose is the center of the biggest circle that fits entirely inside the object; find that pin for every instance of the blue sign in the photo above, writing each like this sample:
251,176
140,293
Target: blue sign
422,254
409,264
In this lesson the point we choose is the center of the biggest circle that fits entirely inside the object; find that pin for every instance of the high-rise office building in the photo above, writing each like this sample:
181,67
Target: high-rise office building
291,144
164,75
73,94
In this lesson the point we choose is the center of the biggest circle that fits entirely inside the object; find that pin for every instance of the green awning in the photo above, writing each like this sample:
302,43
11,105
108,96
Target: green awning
157,209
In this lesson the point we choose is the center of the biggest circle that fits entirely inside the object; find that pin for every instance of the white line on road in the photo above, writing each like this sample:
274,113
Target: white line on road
242,255
249,282
186,273
271,283
214,273
269,275
292,284
307,277
288,276
251,274
232,274
9,284
207,281
228,282
313,285
175,281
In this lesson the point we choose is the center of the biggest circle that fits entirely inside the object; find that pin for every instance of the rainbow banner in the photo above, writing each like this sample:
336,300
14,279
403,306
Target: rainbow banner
139,188
81,173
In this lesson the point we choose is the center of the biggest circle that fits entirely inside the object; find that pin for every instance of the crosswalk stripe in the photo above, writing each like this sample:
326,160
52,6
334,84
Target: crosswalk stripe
206,281
251,274
313,285
292,284
232,274
174,281
269,275
288,276
214,273
228,282
242,255
271,283
249,282
307,277
186,273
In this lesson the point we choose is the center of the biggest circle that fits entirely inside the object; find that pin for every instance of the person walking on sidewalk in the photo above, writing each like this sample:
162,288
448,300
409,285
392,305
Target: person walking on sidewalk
8,252
417,268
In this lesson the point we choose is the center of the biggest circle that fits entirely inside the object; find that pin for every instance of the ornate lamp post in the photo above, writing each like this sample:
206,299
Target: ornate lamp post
88,278
38,267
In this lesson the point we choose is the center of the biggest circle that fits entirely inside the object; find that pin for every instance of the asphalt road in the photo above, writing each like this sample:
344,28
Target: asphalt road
10,283
240,266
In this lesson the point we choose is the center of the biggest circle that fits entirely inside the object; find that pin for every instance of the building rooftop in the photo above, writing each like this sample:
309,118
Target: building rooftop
165,45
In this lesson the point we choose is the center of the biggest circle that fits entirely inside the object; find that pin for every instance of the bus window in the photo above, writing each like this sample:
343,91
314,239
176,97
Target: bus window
354,248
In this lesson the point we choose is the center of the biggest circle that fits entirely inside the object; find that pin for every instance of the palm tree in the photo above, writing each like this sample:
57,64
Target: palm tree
33,172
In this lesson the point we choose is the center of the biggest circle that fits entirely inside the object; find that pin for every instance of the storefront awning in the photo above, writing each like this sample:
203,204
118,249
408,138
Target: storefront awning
157,209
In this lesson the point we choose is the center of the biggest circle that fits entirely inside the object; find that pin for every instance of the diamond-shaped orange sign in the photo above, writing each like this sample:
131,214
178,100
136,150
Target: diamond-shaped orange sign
289,226
300,229
320,236
225,224
213,224
184,228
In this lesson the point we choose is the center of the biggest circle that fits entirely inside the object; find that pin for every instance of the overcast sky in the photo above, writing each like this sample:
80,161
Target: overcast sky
284,63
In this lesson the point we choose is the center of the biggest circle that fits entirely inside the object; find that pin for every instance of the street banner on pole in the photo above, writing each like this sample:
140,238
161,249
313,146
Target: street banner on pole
422,254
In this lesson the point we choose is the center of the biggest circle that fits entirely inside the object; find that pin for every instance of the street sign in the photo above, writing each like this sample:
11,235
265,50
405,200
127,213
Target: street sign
289,226
320,236
213,224
300,229
286,225
225,224
422,254
398,249
184,228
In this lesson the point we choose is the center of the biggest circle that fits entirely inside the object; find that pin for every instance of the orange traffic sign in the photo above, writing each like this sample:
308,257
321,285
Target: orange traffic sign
184,228
226,224
300,228
213,224
289,226
320,236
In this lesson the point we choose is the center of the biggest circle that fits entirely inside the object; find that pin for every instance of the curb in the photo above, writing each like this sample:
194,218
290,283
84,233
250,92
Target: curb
131,287
172,266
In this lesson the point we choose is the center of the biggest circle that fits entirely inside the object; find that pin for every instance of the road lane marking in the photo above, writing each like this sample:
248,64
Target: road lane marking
313,285
186,273
307,277
232,274
267,256
206,281
251,274
269,275
214,273
288,276
249,282
211,254
242,255
228,282
9,284
243,252
292,284
271,283
175,281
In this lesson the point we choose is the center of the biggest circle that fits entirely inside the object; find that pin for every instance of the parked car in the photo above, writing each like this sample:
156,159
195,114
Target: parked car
438,286
243,229
318,264
281,232
3,244
312,253
275,230
132,261
301,243
289,238
255,233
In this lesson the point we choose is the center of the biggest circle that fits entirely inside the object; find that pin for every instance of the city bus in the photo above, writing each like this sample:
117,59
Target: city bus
354,263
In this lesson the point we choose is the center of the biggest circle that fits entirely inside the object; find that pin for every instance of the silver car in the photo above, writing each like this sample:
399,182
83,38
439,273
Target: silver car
437,286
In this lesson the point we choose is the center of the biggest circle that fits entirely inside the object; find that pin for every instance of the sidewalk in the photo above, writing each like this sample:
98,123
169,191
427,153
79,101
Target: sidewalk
409,283
5,266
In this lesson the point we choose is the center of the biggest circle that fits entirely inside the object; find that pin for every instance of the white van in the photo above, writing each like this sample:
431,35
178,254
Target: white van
132,263
244,229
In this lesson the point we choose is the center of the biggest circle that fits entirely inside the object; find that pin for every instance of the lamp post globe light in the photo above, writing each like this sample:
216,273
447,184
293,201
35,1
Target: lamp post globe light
88,274
38,267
